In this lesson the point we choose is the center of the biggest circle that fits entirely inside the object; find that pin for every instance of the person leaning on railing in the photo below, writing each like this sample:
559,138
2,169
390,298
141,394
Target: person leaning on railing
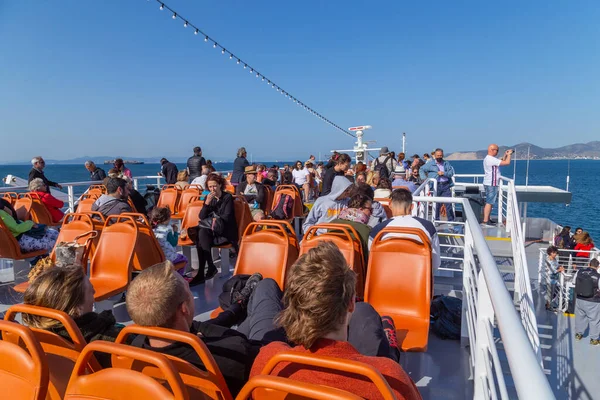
37,171
52,204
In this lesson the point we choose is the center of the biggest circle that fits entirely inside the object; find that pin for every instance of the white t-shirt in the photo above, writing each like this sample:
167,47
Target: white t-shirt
300,176
201,180
491,167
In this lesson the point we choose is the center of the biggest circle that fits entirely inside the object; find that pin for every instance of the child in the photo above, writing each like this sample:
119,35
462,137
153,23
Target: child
160,219
553,277
587,306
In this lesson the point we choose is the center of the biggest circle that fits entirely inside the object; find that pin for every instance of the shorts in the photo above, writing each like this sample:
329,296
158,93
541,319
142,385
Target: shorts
491,194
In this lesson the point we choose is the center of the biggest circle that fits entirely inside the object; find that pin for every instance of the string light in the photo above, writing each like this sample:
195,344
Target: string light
252,69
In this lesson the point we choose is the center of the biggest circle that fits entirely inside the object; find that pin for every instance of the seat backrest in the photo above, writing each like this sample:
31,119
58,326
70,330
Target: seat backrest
61,354
111,383
9,247
38,212
23,364
186,197
11,197
291,190
74,225
86,201
97,190
333,365
169,197
275,238
209,382
23,206
347,240
190,220
268,203
147,250
399,275
262,387
243,217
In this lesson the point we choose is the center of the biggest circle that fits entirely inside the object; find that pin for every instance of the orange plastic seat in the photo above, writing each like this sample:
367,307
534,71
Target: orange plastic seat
187,196
61,354
9,247
199,383
229,187
132,206
190,219
98,190
262,387
243,216
86,201
333,365
39,213
169,197
110,270
347,240
292,190
11,197
269,194
23,206
119,383
23,364
399,283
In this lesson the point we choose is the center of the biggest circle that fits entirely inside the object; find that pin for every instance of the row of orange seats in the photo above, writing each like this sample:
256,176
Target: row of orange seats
37,364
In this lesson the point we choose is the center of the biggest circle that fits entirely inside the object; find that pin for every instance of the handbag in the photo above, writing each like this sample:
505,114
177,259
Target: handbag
36,232
74,253
209,222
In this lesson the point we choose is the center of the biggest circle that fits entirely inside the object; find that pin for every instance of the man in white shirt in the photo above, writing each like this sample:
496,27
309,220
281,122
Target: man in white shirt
402,205
201,180
491,181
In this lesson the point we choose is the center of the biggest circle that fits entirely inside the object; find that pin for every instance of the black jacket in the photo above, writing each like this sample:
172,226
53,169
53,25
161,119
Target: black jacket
169,171
34,173
239,165
328,177
260,197
227,225
595,278
98,175
138,201
194,166
232,351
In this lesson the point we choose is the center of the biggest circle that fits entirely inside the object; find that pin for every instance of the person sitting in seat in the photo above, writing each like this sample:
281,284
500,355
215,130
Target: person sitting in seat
30,236
301,179
201,180
327,208
271,179
115,201
383,189
52,204
402,206
182,179
68,289
322,317
160,219
161,297
378,213
360,177
357,215
253,192
218,226
400,179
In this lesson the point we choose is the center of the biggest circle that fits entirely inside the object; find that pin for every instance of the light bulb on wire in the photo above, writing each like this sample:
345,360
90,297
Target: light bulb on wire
162,6
196,32
185,24
174,15
206,38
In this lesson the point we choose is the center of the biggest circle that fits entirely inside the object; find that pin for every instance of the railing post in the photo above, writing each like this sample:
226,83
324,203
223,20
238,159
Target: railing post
509,207
485,314
500,201
135,184
71,198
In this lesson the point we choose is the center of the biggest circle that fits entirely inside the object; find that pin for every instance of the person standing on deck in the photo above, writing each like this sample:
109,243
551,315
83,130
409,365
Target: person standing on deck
587,306
338,166
491,181
195,163
169,171
37,171
96,173
442,171
239,167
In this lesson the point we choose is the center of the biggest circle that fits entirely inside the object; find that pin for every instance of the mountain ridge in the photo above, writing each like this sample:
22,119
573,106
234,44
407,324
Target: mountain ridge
571,151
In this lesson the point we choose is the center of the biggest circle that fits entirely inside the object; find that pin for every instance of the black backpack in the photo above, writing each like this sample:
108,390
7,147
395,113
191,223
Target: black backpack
585,285
446,317
283,210
382,168
234,284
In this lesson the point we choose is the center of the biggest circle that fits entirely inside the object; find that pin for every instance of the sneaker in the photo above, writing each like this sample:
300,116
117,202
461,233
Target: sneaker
488,224
493,222
243,296
390,333
578,336
595,342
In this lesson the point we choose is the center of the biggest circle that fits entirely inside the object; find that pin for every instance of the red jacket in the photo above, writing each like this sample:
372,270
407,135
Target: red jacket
53,205
580,246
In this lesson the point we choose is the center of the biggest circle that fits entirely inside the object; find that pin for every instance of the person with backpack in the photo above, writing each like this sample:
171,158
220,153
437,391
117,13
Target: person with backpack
385,164
587,306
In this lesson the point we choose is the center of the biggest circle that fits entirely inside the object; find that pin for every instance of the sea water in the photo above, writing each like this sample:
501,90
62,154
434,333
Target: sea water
584,210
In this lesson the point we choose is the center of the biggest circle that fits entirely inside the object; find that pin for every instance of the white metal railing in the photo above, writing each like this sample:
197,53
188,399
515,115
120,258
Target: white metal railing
487,304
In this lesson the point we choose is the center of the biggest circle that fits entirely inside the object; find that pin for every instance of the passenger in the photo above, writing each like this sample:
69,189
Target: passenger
195,164
384,189
322,318
30,236
587,306
114,202
311,160
120,166
360,167
302,178
254,193
260,173
441,170
338,168
584,244
219,229
210,166
160,219
360,177
426,157
402,161
69,290
139,202
37,171
159,297
357,215
52,204
287,178
402,206
491,181
563,239
201,180
182,179
96,173
554,270
327,208
385,159
378,213
271,179
415,176
400,179
169,171
373,179
239,166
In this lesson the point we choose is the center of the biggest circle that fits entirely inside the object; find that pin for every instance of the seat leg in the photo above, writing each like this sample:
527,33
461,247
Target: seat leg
225,264
192,256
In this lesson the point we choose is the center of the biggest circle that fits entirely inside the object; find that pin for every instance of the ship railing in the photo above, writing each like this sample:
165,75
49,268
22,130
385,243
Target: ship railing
476,180
487,305
557,287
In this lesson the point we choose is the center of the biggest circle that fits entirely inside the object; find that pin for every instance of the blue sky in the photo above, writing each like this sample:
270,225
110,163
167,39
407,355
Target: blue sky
119,76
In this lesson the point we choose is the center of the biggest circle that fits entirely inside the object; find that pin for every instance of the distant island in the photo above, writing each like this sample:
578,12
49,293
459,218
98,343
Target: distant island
124,162
589,150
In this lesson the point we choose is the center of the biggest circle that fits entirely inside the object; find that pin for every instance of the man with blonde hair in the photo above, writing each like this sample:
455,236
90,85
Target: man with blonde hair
322,317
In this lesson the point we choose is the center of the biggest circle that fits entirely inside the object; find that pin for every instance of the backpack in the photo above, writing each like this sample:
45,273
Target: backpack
585,285
382,168
283,209
446,317
234,284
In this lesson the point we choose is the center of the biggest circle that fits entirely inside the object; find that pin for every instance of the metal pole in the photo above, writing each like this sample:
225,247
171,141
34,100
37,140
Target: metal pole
515,168
527,173
568,173
404,142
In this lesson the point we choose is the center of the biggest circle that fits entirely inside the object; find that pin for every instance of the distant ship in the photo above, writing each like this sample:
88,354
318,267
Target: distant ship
124,162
